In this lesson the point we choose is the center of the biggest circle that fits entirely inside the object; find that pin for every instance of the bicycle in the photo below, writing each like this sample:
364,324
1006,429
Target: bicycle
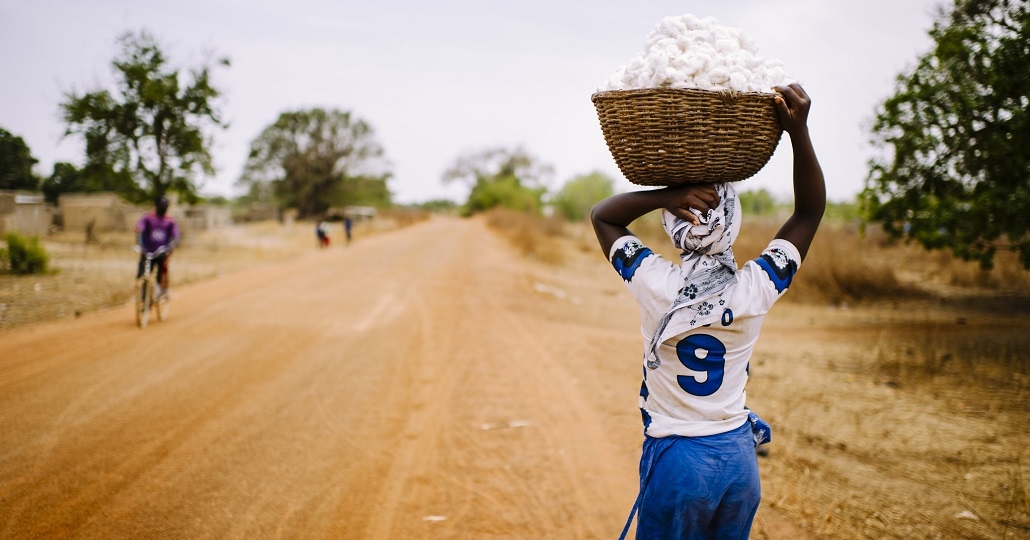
146,287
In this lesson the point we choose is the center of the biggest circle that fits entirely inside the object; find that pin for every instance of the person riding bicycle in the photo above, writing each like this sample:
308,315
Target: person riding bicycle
154,230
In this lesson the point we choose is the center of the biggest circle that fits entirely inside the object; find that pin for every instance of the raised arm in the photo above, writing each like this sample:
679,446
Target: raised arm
612,216
793,105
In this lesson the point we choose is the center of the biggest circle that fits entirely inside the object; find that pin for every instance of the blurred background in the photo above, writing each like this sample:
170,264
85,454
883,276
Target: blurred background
436,81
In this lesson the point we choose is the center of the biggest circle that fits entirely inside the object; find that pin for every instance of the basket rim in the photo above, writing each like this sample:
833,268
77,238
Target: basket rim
672,90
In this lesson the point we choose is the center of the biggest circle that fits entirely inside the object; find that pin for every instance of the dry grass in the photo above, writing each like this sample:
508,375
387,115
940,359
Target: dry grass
535,237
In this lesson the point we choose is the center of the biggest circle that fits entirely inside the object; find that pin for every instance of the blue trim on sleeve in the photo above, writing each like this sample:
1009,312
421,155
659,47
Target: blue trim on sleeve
628,258
779,267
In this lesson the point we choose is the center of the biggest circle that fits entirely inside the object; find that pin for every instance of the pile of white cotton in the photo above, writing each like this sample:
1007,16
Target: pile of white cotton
688,52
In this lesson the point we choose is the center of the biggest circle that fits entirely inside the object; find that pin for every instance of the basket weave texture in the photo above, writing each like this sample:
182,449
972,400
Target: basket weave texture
671,136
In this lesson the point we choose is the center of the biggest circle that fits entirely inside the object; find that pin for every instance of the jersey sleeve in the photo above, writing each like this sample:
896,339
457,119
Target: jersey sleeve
627,254
771,273
652,280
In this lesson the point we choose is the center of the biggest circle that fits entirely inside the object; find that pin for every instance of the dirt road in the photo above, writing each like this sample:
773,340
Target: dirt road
424,383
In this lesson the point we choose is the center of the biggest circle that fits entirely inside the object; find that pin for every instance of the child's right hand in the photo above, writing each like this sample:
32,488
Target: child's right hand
681,199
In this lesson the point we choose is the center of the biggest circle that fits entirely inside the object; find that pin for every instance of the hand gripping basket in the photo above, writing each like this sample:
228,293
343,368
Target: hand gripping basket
670,136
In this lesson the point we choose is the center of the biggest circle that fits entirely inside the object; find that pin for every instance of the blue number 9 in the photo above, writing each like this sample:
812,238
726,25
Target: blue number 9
702,353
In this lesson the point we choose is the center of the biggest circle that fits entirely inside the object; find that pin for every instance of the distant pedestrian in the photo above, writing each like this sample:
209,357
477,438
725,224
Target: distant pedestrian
347,227
322,230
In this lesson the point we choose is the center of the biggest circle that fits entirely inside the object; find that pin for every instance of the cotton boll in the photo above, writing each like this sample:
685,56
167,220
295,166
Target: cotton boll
657,64
747,44
628,79
641,81
727,46
682,82
691,22
719,75
737,60
777,76
686,65
663,43
657,80
673,27
753,63
615,82
695,64
702,82
739,82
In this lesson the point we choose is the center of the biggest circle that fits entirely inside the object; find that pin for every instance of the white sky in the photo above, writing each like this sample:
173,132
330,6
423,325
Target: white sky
439,79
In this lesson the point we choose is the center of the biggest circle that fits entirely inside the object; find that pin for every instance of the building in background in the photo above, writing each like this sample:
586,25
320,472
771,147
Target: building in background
25,213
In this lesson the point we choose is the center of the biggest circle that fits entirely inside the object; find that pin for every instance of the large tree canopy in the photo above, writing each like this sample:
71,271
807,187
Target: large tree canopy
500,177
153,132
16,163
954,171
315,159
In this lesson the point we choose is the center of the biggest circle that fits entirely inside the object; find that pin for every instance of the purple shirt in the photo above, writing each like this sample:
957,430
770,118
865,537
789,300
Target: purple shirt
157,231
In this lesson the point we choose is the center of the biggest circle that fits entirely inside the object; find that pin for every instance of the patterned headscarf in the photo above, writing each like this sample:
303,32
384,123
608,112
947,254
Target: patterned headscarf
707,268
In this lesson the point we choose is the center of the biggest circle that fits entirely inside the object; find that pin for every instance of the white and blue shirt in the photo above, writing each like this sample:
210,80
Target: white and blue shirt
698,386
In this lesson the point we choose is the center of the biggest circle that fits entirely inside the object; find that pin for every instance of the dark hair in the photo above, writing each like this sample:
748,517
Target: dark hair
161,205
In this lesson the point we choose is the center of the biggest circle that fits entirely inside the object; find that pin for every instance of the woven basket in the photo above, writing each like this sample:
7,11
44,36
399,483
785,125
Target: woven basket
670,136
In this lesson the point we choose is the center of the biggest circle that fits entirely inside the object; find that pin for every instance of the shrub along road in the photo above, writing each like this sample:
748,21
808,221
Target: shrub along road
423,383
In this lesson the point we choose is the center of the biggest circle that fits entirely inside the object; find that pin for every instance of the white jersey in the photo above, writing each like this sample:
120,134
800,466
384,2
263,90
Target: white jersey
697,389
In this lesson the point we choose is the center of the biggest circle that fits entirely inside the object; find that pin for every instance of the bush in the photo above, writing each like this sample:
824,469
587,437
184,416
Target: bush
23,255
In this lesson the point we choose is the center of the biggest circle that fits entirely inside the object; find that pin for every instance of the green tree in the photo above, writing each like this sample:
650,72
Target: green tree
575,199
16,163
500,177
954,171
152,134
757,202
314,159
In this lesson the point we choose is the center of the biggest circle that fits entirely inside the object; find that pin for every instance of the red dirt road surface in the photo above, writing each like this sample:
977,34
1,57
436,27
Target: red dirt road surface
422,383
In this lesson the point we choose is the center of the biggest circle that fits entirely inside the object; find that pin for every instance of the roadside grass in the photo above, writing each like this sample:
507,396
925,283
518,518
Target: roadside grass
536,237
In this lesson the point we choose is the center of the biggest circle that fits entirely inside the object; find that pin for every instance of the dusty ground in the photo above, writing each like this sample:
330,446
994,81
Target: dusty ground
429,383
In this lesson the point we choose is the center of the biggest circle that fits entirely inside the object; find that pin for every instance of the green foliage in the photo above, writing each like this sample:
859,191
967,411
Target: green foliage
580,194
315,159
842,211
16,163
500,177
506,192
954,171
151,135
757,203
23,255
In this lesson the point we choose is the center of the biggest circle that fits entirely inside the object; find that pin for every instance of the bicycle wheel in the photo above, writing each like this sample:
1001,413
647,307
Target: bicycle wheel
161,304
143,298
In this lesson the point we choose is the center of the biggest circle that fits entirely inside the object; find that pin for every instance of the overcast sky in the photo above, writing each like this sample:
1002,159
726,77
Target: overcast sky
440,79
